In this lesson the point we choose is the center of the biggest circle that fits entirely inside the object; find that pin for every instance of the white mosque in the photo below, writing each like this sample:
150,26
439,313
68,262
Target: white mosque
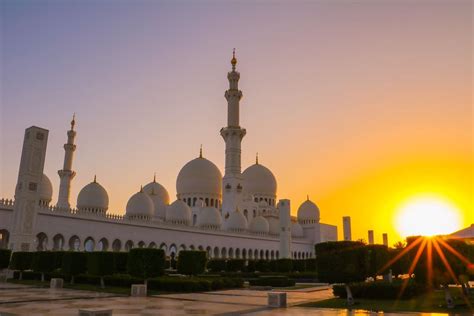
232,216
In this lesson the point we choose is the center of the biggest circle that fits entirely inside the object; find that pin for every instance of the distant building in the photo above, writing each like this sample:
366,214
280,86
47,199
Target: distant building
232,216
371,237
346,224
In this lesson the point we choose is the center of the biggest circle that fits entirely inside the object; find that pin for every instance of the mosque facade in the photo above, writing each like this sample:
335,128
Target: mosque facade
235,215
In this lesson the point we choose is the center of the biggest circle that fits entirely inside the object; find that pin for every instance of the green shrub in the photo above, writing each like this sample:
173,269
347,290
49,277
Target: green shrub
310,264
146,262
380,290
251,266
299,265
262,266
5,255
74,263
274,281
175,284
284,265
84,278
43,261
99,263
21,260
192,262
120,262
341,263
216,265
272,265
234,265
58,259
122,280
377,258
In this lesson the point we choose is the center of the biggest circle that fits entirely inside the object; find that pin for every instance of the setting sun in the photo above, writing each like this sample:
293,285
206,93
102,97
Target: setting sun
427,216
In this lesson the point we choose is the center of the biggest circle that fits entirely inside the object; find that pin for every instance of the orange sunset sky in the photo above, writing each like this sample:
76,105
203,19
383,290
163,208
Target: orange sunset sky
362,105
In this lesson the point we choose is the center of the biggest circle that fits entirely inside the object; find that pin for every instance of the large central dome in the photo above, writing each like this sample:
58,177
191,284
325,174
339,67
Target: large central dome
199,177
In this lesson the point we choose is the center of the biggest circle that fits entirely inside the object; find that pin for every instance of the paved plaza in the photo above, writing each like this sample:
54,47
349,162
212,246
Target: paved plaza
27,300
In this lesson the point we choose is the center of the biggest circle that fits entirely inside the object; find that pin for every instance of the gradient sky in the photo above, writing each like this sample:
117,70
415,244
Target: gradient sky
360,104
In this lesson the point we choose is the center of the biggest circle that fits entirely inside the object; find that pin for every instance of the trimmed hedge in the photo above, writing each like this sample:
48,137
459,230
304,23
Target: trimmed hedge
5,255
251,266
120,262
262,266
284,265
274,281
192,284
43,262
192,262
217,265
341,262
380,290
21,260
99,263
234,265
146,262
73,264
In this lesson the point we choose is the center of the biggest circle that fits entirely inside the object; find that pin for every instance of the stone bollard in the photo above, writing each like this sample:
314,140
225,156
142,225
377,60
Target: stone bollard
56,283
95,312
350,298
138,290
276,299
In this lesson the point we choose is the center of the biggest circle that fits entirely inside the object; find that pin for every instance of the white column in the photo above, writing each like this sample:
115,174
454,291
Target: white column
26,193
285,229
67,174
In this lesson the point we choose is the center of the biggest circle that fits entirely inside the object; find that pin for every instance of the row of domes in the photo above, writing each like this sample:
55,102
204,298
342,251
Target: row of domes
199,176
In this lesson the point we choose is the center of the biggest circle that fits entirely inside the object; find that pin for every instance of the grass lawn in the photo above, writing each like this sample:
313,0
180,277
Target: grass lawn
432,302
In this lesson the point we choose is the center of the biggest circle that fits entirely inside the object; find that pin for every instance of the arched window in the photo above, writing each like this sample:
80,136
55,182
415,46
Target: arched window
89,244
194,219
246,214
58,242
4,237
207,202
194,201
117,245
42,242
103,245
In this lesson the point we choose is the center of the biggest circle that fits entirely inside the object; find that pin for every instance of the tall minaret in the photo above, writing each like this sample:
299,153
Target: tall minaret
66,174
232,134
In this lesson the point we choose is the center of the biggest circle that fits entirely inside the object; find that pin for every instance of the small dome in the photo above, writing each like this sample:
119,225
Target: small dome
179,213
308,213
93,197
259,225
236,222
140,206
274,224
154,188
199,176
262,204
296,230
45,190
209,217
259,180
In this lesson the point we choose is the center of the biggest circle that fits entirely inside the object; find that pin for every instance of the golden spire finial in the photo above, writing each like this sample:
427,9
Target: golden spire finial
307,197
200,152
141,188
73,122
95,178
234,60
154,177
256,159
